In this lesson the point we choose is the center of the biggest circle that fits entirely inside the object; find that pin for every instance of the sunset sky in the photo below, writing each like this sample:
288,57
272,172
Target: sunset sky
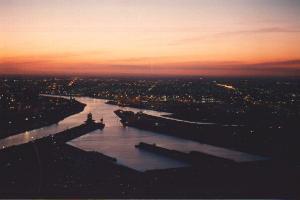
150,37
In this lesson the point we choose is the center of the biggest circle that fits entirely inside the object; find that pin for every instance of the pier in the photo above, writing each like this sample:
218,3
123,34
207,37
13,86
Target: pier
72,133
194,157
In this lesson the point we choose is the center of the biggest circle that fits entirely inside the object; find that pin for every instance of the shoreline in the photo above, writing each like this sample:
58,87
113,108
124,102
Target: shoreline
169,115
65,109
230,137
58,170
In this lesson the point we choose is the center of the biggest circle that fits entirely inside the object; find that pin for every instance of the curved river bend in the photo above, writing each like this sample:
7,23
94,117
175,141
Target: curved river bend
118,141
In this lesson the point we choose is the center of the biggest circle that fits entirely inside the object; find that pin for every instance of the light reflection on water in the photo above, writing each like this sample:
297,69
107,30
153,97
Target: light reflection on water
118,141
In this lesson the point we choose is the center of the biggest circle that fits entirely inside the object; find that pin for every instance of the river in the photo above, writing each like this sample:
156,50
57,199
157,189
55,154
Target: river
118,141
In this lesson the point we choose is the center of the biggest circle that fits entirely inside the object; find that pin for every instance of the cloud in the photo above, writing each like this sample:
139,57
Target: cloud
261,31
234,33
276,63
51,57
272,68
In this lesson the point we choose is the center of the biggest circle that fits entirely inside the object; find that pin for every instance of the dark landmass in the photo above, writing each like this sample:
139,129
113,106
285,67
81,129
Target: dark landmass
267,142
209,181
255,102
47,168
214,177
22,109
43,112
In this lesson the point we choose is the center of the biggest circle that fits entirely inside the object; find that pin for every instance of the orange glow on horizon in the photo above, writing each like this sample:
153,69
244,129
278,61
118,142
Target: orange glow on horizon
155,37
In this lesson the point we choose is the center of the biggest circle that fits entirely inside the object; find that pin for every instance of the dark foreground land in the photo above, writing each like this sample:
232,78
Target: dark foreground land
49,168
45,170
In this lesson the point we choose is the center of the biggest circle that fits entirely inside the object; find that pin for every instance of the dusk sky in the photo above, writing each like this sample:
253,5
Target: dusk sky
151,37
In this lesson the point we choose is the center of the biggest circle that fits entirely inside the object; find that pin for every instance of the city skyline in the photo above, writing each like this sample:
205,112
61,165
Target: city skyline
157,37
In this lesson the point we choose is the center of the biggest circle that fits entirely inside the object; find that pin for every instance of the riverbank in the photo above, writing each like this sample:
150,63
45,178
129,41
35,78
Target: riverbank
72,133
42,112
264,142
55,169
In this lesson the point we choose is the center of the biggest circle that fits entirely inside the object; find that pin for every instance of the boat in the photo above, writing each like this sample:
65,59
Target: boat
92,122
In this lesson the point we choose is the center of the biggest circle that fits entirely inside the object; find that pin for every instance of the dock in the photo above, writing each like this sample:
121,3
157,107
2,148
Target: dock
194,158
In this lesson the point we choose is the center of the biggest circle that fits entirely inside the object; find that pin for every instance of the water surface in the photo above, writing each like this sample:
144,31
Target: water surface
119,142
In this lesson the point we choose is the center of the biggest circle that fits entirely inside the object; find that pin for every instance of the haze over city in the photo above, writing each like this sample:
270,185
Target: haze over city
154,37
